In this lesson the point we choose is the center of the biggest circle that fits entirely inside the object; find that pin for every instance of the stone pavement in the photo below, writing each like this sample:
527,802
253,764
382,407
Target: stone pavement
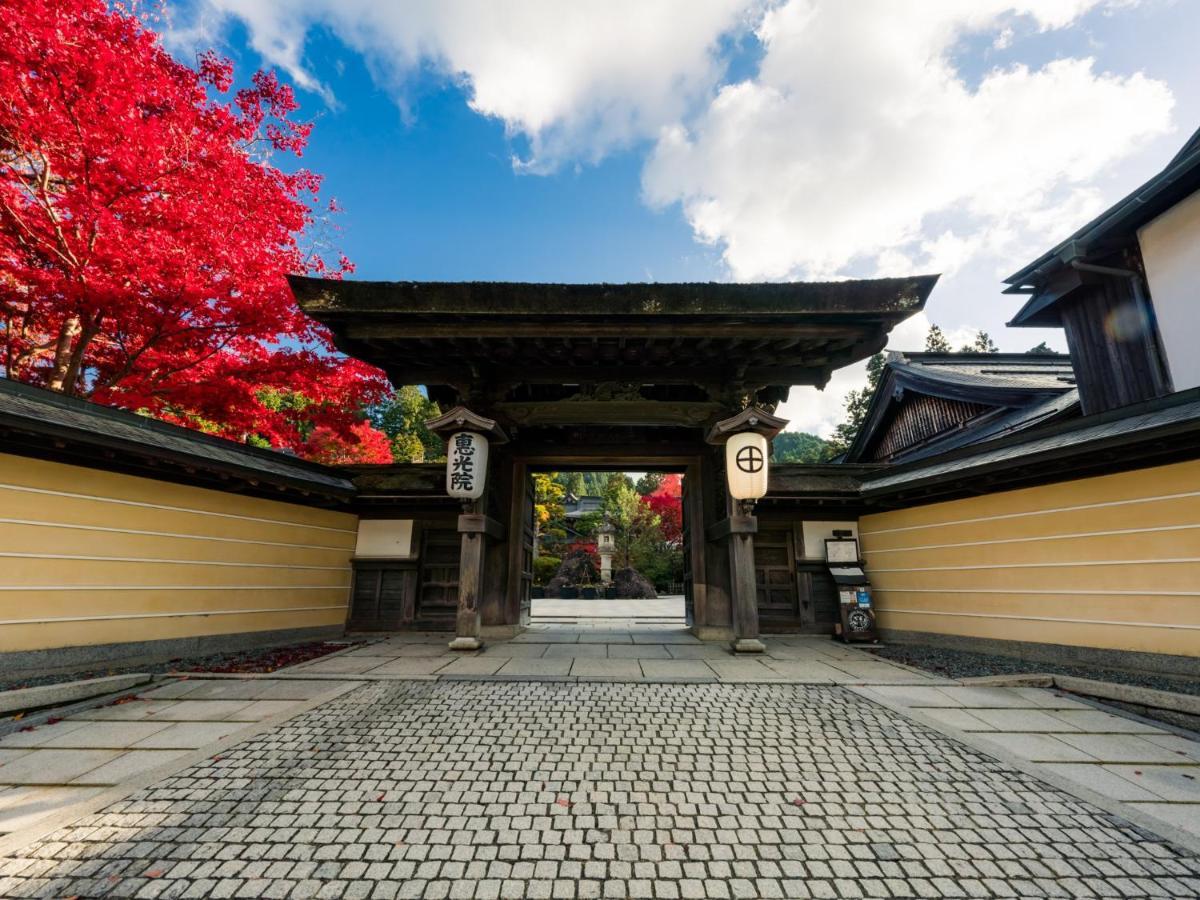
655,653
1149,768
526,790
48,767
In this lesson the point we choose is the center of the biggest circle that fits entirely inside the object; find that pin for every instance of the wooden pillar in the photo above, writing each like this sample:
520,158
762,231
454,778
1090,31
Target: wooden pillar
476,529
738,530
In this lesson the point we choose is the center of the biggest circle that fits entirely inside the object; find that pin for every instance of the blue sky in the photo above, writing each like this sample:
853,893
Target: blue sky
724,139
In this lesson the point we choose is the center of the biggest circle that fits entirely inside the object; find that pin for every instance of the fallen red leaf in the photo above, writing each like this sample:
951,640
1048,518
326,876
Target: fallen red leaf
380,797
563,801
29,728
154,873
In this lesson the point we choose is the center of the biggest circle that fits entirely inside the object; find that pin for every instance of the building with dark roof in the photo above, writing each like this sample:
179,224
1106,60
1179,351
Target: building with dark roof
1123,289
930,403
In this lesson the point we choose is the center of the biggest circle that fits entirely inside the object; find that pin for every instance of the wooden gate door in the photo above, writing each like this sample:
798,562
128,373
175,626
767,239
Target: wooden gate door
774,575
525,584
437,602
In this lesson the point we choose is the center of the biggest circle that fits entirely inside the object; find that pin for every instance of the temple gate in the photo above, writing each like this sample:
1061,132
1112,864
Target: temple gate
596,376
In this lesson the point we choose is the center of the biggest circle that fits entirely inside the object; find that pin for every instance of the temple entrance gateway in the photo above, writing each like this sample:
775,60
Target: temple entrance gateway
684,377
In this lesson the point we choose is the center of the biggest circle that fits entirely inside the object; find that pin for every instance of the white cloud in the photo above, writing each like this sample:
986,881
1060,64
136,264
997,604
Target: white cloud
576,79
858,129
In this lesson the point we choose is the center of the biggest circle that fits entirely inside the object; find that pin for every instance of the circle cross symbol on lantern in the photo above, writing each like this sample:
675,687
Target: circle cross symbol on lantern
746,465
749,459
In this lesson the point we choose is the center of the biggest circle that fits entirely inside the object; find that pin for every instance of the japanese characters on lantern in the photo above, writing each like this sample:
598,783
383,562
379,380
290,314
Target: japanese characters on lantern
466,465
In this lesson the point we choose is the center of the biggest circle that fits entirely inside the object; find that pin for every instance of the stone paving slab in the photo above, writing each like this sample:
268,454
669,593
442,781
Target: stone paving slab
608,668
805,659
542,668
504,789
676,668
23,806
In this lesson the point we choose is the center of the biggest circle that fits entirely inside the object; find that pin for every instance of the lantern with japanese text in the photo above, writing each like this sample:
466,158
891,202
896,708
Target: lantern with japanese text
467,437
466,465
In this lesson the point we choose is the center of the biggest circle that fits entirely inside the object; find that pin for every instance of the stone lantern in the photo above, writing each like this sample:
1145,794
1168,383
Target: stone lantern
607,545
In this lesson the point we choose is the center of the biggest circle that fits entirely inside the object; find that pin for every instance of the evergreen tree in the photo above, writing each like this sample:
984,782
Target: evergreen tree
800,447
935,341
402,418
857,404
1042,349
982,344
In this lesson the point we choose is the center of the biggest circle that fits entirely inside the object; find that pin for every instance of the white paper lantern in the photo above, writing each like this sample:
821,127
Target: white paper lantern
746,465
466,465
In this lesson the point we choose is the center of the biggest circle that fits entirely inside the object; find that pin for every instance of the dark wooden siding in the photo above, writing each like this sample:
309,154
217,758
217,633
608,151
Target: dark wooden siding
1114,347
794,594
920,418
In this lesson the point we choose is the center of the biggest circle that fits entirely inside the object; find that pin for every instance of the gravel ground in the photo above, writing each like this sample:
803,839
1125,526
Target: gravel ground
262,660
965,664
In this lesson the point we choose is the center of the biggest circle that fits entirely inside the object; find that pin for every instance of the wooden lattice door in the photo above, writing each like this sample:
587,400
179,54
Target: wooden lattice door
437,602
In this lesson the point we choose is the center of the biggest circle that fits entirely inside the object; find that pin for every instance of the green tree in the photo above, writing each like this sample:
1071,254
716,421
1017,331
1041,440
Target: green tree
648,483
982,344
1042,349
402,418
800,447
622,504
935,341
857,404
548,506
572,482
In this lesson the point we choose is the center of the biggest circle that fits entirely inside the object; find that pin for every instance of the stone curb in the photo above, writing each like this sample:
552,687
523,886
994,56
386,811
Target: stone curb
65,692
1103,690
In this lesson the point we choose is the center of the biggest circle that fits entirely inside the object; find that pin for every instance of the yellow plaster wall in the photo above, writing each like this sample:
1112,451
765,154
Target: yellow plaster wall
93,557
1110,562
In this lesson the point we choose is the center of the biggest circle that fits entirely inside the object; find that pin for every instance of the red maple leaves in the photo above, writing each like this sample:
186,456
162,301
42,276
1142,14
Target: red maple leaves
145,236
666,501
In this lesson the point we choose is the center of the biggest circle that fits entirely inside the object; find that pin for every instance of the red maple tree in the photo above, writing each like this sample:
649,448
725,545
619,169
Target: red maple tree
666,501
145,237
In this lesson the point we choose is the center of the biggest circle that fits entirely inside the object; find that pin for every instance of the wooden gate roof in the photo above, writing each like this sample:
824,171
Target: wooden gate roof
438,333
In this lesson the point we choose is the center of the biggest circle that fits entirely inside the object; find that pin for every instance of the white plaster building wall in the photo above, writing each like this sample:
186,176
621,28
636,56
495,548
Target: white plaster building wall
816,533
1171,251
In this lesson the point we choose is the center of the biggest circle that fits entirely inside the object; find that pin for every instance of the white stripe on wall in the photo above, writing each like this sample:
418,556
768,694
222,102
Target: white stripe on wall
181,562
185,509
1035,512
170,534
965,615
167,615
1035,538
1045,565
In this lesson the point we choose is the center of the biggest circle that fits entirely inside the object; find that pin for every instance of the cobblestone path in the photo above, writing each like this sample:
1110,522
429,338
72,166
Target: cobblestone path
526,790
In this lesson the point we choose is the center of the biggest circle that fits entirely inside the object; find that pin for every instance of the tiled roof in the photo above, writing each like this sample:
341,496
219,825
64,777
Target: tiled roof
1008,370
1175,414
47,412
1021,390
